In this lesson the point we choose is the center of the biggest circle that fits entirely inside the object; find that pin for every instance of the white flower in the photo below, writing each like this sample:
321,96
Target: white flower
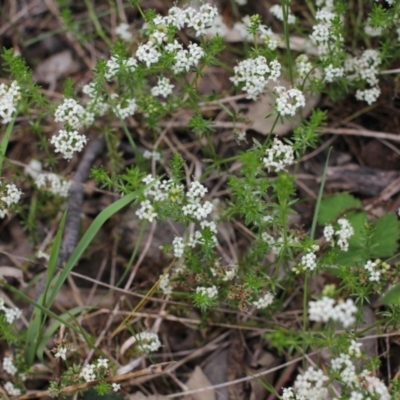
33,169
68,142
148,53
254,74
71,113
11,195
102,363
61,353
277,11
374,386
146,211
122,30
345,232
210,292
287,394
329,232
179,247
264,301
345,367
288,101
148,341
324,309
11,390
128,110
368,95
354,349
241,2
9,366
309,261
185,59
303,65
163,88
165,284
88,373
116,387
153,155
331,73
310,385
278,156
11,314
9,98
54,183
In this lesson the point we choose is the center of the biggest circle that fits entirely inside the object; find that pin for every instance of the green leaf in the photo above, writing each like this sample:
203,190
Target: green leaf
392,296
384,236
335,206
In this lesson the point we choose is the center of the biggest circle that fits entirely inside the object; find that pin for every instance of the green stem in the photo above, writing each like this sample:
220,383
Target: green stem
285,11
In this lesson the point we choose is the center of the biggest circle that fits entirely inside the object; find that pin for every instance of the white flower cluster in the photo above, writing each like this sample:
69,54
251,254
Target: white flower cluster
277,11
126,109
278,156
49,181
68,142
185,59
89,371
323,35
54,183
309,261
210,292
372,31
11,314
179,247
96,104
115,65
288,101
325,309
303,66
148,53
165,284
362,385
148,341
123,31
152,155
8,197
11,389
200,20
375,269
74,116
310,385
9,97
264,301
332,73
355,349
365,69
194,208
163,88
254,74
345,232
8,366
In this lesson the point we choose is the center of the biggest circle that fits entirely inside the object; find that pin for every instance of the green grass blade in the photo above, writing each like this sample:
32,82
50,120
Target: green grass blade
86,240
320,194
37,320
4,142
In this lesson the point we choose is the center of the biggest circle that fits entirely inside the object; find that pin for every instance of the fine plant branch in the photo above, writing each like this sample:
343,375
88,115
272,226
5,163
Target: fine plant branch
155,369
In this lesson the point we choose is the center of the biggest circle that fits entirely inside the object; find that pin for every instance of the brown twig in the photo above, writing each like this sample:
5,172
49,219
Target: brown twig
152,370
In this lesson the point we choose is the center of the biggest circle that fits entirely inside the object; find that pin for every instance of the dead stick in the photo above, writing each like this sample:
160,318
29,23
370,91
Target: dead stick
152,370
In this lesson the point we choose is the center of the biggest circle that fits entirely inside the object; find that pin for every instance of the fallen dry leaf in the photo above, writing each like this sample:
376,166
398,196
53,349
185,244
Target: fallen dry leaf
198,380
